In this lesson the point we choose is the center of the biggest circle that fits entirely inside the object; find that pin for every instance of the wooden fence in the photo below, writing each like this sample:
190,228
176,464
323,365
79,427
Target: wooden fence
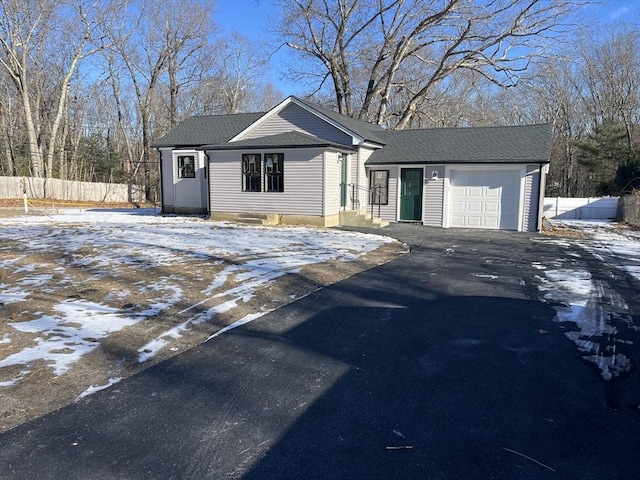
56,189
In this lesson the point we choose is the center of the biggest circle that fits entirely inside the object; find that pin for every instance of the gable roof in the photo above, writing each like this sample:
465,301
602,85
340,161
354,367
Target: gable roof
292,139
514,144
361,131
368,131
207,129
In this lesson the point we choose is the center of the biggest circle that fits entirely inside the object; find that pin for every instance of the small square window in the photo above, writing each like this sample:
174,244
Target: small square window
186,166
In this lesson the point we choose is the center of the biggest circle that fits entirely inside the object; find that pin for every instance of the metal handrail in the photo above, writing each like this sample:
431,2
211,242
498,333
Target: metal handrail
373,194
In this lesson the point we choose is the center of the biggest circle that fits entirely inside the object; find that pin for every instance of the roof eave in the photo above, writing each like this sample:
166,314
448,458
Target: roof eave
456,162
272,147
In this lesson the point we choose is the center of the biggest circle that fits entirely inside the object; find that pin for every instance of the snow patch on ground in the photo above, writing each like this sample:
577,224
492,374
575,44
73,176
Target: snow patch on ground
581,306
96,388
618,247
65,338
580,298
104,243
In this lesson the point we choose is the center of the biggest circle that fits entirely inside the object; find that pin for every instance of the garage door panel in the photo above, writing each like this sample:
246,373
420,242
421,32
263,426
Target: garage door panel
490,222
474,207
474,221
484,199
459,206
475,191
493,192
492,207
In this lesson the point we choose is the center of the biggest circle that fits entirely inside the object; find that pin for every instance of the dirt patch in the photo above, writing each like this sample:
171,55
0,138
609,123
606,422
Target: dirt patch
14,207
562,230
567,232
41,389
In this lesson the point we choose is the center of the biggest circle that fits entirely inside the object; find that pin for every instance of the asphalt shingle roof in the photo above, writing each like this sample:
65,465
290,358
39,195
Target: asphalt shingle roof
515,144
292,139
512,144
207,129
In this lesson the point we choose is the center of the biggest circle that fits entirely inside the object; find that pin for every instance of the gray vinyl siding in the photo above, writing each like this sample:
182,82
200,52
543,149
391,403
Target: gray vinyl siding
302,195
332,183
189,193
531,195
433,196
294,117
168,200
361,178
387,212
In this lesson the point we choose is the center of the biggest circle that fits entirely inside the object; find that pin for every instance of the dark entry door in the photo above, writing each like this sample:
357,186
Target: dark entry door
411,194
343,180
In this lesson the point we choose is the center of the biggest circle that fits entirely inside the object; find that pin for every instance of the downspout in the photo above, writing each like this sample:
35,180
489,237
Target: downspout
324,185
356,201
541,188
208,174
161,181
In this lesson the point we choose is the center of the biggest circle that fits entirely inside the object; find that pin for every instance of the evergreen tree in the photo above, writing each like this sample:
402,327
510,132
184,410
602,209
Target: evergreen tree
608,157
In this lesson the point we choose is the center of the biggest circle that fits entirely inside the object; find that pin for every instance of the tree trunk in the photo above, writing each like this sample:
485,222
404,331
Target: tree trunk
35,153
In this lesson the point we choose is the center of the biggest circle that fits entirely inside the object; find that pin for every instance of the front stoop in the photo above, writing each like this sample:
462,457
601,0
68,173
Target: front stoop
360,218
258,219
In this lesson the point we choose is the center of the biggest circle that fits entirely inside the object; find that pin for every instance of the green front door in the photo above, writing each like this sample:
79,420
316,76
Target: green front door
343,180
411,194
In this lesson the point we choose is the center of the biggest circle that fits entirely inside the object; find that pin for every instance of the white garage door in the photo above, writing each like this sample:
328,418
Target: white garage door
484,199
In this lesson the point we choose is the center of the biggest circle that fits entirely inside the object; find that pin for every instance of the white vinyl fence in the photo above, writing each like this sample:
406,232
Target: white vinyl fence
602,208
54,188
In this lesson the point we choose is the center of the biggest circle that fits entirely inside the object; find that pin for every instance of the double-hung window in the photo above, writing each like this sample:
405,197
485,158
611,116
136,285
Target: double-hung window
251,174
379,187
186,166
274,172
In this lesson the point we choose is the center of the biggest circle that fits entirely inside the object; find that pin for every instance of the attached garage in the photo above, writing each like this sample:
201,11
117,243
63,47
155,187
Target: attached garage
484,199
485,177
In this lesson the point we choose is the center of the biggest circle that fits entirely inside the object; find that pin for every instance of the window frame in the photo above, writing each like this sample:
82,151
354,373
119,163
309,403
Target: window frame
183,167
271,178
385,187
249,176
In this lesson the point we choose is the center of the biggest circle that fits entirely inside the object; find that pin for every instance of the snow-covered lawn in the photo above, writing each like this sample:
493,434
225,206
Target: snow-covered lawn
75,278
601,318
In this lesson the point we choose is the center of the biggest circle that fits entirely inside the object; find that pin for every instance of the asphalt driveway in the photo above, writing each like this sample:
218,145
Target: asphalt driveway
443,364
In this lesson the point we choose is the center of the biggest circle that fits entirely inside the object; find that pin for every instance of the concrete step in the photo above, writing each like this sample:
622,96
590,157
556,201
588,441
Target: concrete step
355,218
249,221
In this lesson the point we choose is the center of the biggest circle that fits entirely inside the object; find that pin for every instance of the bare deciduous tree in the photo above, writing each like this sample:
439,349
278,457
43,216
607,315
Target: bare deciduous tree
25,27
42,43
610,70
374,50
152,45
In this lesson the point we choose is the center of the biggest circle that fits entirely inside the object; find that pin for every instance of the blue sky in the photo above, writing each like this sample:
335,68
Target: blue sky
252,19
